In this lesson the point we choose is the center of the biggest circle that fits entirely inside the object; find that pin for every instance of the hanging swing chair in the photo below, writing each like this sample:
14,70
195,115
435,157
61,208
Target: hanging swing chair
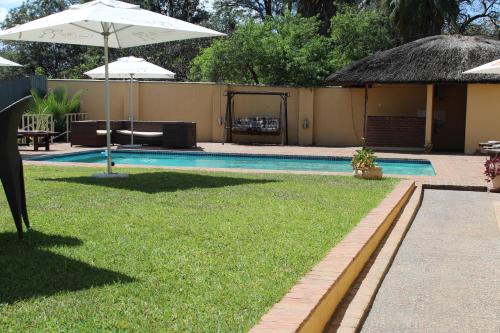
273,126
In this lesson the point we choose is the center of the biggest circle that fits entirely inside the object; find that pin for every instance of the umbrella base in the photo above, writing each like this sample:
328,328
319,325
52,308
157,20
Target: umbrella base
104,175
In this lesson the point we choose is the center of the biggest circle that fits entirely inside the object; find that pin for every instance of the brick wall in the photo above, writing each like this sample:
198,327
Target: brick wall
385,131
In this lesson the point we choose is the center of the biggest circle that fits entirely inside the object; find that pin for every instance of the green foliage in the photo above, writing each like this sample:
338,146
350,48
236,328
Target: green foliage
363,159
413,19
166,251
356,34
285,50
57,103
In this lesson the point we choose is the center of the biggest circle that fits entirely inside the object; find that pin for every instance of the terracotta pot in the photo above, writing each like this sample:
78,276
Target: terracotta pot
374,173
496,182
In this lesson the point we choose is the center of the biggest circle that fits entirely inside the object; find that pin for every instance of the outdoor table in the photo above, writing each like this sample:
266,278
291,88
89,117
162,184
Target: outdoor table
37,135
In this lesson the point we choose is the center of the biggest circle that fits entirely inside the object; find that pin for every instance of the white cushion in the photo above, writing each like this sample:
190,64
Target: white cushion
141,134
101,132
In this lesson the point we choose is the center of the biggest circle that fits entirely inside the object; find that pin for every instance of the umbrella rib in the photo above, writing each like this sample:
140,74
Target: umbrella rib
116,35
85,28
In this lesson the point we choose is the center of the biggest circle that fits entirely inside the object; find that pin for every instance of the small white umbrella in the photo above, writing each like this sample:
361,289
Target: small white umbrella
130,68
489,68
7,63
106,23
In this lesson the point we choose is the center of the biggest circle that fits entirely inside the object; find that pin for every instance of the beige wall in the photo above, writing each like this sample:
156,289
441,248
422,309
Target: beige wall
334,114
396,100
483,115
338,116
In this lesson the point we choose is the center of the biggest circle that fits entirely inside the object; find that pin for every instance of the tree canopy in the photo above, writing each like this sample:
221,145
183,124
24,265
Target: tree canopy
278,42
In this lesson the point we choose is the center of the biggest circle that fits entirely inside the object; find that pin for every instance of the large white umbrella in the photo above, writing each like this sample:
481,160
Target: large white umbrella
7,63
131,68
489,68
106,23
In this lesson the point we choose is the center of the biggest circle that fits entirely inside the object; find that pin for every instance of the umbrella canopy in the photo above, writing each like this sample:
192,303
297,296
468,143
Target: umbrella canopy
127,67
127,25
130,68
489,68
7,63
106,23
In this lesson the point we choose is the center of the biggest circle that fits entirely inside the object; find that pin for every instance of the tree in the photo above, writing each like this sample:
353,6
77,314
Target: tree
257,8
413,19
356,34
478,17
284,50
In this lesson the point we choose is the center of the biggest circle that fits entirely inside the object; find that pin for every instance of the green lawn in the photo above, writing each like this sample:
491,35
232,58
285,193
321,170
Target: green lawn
167,251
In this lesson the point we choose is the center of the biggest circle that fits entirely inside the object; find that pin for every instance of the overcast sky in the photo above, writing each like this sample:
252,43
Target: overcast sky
5,5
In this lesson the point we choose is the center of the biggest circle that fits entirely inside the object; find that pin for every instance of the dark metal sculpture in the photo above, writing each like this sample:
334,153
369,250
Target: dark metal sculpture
11,164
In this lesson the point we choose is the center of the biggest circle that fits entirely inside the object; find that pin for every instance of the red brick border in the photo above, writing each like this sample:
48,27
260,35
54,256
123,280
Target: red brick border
309,305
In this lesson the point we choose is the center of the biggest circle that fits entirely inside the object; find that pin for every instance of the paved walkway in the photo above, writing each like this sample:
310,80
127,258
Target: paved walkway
446,275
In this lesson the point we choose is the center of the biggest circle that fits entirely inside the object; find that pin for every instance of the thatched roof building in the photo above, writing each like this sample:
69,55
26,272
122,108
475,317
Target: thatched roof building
432,60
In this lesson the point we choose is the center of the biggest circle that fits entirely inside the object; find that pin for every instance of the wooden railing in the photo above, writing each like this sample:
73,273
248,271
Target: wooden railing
37,122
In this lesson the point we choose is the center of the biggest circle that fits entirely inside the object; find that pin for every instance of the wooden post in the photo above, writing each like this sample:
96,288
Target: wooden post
365,127
428,115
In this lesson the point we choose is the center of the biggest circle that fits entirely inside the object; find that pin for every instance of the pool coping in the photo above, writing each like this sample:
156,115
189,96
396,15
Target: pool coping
310,304
46,160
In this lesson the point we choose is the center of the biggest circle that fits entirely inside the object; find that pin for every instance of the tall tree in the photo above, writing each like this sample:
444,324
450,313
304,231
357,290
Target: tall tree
284,50
415,19
258,8
482,15
324,9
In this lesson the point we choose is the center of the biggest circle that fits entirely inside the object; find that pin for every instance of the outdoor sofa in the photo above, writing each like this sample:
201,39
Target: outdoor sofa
169,134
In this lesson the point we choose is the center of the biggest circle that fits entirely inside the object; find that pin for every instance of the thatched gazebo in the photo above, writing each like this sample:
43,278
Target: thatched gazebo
437,62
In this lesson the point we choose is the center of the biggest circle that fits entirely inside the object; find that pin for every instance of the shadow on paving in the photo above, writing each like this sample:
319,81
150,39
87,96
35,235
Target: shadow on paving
157,182
28,270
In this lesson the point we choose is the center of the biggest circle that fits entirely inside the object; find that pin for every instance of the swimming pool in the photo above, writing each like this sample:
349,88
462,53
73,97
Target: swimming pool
242,161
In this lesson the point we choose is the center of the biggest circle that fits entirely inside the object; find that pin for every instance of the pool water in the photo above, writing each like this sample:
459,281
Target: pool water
243,161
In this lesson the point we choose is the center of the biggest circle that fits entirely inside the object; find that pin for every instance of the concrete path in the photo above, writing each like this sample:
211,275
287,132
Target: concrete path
446,275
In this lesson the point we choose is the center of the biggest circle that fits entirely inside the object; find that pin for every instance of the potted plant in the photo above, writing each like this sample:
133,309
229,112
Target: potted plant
364,166
492,171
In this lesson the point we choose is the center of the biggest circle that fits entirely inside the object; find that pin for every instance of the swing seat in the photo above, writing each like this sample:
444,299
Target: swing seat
257,126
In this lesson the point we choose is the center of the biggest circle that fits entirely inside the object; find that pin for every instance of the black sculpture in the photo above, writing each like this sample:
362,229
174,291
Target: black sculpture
11,164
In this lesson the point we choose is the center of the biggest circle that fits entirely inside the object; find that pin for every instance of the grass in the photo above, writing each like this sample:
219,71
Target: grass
168,251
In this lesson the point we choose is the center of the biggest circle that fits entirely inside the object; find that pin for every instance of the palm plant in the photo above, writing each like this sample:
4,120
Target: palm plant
56,103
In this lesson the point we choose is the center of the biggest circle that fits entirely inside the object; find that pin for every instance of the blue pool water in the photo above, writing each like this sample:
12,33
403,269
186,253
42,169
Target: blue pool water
243,161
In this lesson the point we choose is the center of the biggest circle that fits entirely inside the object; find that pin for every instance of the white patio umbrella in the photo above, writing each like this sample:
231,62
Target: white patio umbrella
489,68
106,23
7,63
131,68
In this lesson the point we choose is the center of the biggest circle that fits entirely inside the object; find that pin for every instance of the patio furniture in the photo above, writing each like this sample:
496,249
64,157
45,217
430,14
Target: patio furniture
169,134
37,136
179,134
277,126
11,168
89,133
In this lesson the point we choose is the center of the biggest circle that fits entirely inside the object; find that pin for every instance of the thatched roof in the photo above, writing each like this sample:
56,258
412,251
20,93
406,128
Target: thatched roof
436,59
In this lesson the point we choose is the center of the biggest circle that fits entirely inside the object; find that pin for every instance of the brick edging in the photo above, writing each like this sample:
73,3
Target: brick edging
309,305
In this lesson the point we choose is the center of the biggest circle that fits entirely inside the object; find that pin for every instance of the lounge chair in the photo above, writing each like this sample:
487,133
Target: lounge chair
11,167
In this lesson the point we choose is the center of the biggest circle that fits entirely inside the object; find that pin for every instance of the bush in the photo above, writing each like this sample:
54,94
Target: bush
56,103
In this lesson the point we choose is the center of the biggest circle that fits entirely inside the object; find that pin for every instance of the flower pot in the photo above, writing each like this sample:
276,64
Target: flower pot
373,173
496,182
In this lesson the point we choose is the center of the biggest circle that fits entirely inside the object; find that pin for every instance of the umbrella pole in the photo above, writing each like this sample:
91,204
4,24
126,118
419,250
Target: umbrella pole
131,110
107,106
109,170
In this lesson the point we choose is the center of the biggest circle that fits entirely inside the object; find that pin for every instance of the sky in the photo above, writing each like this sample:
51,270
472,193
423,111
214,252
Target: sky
5,5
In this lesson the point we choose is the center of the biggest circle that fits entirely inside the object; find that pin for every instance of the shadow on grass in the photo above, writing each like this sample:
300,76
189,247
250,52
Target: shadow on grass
157,182
28,270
